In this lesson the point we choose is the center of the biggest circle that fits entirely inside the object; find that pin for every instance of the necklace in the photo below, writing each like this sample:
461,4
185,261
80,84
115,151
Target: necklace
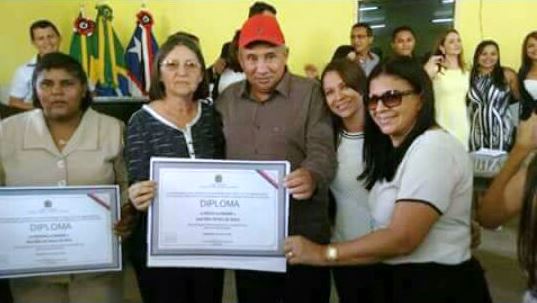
62,142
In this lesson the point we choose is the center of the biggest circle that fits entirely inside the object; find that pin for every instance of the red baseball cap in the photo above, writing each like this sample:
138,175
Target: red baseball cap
262,28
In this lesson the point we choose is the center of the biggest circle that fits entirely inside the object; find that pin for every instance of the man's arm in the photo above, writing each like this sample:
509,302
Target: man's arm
318,168
19,103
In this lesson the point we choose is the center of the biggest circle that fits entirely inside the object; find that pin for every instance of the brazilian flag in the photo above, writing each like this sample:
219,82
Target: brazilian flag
107,70
82,41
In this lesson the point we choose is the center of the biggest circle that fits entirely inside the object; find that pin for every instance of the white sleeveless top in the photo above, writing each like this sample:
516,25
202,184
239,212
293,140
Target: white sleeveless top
531,87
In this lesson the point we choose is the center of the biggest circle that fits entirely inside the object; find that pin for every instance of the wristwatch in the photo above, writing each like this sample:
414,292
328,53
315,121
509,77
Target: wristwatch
331,253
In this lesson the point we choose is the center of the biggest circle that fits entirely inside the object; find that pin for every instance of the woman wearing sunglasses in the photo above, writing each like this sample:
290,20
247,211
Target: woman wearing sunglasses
420,179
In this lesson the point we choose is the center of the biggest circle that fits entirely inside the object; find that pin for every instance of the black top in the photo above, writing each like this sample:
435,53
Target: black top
150,135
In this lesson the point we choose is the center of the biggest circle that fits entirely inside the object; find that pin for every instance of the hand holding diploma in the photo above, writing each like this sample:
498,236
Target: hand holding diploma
141,194
300,183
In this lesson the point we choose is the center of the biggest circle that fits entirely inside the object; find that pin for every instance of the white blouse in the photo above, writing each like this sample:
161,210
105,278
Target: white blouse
436,171
353,217
531,87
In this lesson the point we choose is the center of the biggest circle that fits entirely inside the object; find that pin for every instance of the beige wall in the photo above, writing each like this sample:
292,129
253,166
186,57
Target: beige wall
505,21
313,28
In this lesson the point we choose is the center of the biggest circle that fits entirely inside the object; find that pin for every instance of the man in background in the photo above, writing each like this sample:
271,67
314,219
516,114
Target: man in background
261,8
361,41
46,39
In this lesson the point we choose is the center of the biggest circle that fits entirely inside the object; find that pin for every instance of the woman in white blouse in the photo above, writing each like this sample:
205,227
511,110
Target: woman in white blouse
344,87
420,179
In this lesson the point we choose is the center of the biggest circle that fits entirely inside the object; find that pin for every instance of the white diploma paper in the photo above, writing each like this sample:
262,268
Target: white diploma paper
218,214
49,231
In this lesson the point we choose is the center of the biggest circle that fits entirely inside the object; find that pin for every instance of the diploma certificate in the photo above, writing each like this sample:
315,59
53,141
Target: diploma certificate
58,230
223,214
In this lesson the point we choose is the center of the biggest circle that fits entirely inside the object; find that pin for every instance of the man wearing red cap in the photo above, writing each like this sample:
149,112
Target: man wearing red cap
275,115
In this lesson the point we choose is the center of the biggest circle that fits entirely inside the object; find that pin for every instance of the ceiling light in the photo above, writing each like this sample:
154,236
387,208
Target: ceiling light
368,8
442,20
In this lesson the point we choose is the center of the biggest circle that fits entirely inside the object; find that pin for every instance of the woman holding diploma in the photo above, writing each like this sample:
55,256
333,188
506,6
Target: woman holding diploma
63,142
420,179
180,123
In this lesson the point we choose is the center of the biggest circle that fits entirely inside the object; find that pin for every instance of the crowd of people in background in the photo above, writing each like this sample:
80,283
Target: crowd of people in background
381,181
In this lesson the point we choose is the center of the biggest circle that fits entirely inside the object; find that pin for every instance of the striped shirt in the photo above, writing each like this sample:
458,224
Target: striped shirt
491,123
150,135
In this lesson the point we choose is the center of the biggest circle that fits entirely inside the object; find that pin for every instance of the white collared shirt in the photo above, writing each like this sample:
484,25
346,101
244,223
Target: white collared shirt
21,85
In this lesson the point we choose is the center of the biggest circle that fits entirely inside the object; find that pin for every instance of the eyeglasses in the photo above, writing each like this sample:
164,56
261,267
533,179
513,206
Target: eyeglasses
172,65
391,98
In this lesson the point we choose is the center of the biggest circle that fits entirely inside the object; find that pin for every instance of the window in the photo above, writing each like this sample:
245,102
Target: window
428,18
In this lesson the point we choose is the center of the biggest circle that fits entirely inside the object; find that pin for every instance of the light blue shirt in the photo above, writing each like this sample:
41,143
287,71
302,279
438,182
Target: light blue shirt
21,85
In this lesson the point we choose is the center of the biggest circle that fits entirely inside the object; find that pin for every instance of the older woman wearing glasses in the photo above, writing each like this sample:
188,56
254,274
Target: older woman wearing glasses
180,123
420,179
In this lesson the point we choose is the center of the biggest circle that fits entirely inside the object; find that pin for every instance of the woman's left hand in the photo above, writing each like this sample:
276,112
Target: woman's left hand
129,219
299,250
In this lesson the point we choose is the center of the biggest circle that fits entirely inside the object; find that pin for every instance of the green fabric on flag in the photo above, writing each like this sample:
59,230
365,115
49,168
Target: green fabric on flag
107,63
82,41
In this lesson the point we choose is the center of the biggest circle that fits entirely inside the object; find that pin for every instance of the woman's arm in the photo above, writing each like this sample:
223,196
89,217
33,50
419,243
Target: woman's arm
512,80
2,171
129,215
432,66
137,155
498,205
422,196
410,224
120,169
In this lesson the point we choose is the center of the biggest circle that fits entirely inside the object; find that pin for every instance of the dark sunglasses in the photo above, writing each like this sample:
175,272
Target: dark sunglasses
391,98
